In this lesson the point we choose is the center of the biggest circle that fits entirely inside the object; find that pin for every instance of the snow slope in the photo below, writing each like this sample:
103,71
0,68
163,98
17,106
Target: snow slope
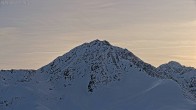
184,76
93,76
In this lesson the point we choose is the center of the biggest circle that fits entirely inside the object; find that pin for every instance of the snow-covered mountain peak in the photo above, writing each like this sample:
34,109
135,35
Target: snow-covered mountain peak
91,52
98,61
99,42
173,68
174,64
184,76
98,73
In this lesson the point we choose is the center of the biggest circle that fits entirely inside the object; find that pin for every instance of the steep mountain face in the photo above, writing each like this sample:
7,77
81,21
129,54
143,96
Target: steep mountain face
98,76
99,60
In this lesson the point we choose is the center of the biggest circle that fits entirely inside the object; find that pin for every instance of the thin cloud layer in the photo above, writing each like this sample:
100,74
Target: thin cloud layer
60,25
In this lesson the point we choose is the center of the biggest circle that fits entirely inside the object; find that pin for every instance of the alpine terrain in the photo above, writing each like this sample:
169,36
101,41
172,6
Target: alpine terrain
99,76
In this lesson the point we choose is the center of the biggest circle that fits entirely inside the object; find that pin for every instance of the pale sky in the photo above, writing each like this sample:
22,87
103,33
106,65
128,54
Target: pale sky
34,32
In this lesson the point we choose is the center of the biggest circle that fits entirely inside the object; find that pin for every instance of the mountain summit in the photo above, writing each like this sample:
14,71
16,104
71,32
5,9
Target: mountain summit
98,76
98,60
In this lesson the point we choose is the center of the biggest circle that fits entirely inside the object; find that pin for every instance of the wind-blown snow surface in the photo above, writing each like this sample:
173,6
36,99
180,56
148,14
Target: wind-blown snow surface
93,76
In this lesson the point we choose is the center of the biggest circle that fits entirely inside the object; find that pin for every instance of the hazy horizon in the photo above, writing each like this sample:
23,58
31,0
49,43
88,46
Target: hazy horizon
34,32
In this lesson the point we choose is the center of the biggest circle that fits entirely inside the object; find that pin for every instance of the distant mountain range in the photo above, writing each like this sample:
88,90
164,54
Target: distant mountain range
99,76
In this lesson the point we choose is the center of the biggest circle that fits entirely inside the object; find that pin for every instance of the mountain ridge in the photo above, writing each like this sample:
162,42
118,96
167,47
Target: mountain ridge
92,68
